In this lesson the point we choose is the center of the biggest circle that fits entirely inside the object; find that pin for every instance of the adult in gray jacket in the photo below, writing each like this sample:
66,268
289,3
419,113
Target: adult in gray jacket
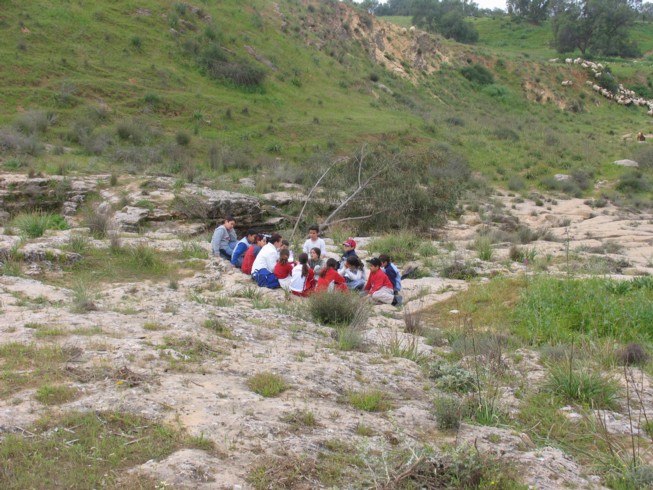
224,239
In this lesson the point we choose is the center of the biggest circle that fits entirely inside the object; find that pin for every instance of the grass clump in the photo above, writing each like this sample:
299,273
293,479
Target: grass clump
585,387
218,327
406,346
369,400
334,308
33,225
267,384
300,419
451,377
24,366
115,442
402,247
483,246
55,394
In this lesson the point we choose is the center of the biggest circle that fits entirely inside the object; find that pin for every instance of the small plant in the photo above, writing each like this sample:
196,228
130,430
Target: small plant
267,384
182,138
33,225
369,401
413,321
584,387
82,299
633,355
78,243
483,245
55,394
193,250
98,221
451,377
300,419
404,346
218,327
448,412
335,308
364,430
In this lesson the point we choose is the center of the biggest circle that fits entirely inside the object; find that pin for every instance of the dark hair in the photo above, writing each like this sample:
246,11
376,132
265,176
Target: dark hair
330,264
274,238
318,250
229,218
284,255
259,237
303,260
354,261
285,242
250,232
384,258
314,227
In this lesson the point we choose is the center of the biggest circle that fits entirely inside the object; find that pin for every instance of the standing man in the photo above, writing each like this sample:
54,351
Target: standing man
241,247
224,239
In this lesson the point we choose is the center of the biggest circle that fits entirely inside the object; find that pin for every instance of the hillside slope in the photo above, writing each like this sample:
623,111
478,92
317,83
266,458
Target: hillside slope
198,89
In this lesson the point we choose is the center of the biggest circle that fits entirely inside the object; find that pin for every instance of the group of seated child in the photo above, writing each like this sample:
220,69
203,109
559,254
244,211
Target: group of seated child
269,260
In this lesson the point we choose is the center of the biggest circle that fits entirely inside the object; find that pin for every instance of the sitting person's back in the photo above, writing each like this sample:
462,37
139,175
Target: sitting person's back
329,275
283,269
302,279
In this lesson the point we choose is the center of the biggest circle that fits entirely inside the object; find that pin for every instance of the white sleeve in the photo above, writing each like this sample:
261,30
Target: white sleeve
307,248
323,247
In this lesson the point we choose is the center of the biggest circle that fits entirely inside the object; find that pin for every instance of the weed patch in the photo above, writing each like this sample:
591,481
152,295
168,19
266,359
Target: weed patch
267,384
369,401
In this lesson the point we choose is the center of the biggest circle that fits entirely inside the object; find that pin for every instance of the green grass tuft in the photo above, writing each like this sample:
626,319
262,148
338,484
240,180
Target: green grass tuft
267,384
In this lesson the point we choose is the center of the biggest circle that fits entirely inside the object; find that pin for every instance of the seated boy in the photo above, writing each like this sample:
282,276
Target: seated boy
393,274
350,250
224,239
241,247
378,286
314,241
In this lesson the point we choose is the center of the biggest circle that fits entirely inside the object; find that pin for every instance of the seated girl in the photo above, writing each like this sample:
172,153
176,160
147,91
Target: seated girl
329,279
302,280
353,273
283,268
315,262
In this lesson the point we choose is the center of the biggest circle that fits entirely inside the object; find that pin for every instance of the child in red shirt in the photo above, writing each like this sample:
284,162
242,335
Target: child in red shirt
252,252
328,275
378,286
283,268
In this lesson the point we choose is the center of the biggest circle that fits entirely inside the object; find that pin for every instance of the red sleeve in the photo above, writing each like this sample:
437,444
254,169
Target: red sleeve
368,285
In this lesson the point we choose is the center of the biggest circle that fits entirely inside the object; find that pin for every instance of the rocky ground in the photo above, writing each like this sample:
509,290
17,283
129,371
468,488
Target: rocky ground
145,346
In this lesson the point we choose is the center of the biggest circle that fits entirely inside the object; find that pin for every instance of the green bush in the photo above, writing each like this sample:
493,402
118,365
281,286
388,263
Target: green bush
451,377
585,387
267,384
335,308
33,225
478,74
447,411
401,247
369,401
557,310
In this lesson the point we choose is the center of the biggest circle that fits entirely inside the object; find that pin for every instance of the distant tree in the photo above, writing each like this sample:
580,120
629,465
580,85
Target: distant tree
369,5
395,7
534,11
594,26
646,11
446,17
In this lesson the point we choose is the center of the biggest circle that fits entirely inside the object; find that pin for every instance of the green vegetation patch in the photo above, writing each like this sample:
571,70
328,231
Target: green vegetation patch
33,225
93,450
267,384
25,366
547,309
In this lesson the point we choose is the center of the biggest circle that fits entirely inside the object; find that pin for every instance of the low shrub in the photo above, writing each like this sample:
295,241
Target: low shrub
451,377
369,400
585,387
335,308
633,355
33,225
267,384
478,74
402,246
448,412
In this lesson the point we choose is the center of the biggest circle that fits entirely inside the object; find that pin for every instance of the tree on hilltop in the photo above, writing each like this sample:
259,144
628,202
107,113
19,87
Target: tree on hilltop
446,17
535,11
594,26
